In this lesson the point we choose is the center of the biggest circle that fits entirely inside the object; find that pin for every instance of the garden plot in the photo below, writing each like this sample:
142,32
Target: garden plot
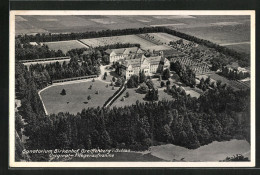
166,38
65,46
133,39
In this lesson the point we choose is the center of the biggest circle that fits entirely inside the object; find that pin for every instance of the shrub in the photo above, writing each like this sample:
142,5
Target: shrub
127,94
93,80
63,92
89,97
166,74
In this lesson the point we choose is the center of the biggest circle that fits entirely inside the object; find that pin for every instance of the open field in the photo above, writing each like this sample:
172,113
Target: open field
133,39
76,95
65,46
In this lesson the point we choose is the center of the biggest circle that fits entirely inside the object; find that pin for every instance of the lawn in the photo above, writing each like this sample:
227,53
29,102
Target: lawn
65,46
134,96
76,96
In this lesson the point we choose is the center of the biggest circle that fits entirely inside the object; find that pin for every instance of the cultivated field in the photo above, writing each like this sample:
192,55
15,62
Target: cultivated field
65,46
76,96
133,39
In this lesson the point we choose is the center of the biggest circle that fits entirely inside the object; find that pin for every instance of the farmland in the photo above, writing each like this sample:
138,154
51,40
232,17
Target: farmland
65,46
218,29
76,96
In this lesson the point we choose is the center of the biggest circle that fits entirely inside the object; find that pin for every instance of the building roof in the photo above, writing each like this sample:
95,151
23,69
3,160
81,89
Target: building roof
138,61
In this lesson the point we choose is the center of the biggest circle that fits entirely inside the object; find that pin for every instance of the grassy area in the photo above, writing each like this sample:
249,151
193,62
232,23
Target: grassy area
76,96
65,46
134,96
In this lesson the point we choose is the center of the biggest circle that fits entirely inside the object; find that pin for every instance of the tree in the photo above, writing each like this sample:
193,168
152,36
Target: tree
150,84
119,82
113,79
152,95
127,94
142,77
63,92
168,83
166,74
162,84
132,82
143,89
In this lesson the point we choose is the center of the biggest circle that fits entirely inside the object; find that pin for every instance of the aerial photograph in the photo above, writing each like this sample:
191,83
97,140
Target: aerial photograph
132,88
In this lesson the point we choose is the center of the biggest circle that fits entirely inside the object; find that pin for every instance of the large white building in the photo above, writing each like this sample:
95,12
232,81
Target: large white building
149,65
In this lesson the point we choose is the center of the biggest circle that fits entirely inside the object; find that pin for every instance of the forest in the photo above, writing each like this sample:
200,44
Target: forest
44,74
219,114
26,51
